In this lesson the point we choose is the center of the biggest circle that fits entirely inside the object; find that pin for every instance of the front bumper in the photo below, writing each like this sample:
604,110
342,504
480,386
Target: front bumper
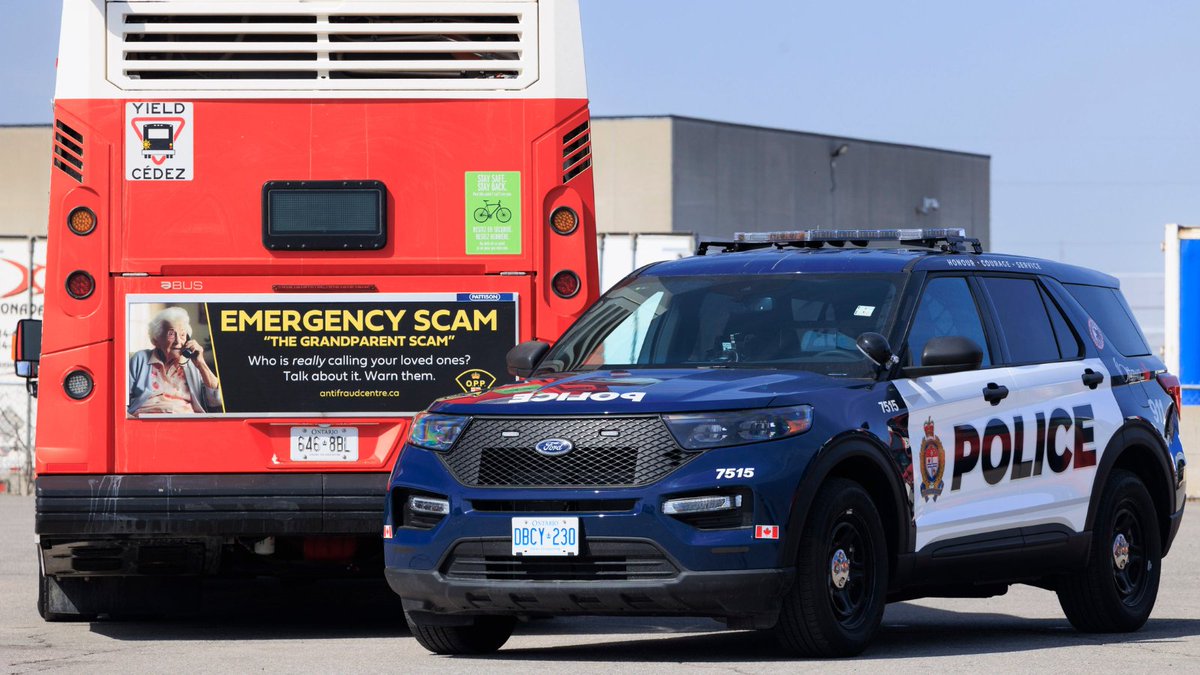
699,570
752,596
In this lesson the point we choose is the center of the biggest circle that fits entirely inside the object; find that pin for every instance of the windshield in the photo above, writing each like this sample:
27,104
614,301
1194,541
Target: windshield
806,322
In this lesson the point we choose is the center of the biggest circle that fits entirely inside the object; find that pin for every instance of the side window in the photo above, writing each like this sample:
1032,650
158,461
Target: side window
1069,346
1107,308
946,308
1023,320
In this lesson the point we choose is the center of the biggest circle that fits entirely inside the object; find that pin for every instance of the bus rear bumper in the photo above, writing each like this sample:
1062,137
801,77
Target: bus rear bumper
99,525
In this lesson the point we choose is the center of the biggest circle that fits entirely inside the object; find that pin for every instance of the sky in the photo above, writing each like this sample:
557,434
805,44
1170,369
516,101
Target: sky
1089,110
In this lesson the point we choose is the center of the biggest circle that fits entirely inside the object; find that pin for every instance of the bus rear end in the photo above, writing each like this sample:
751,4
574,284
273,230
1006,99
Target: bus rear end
277,230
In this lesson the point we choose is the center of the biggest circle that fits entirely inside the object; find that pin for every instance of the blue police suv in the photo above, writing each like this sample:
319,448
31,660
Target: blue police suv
791,430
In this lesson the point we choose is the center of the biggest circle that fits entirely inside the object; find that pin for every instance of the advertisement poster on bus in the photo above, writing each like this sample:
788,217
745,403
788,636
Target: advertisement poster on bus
302,354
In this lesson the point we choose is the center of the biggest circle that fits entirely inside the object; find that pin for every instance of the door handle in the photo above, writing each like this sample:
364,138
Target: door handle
994,393
1092,379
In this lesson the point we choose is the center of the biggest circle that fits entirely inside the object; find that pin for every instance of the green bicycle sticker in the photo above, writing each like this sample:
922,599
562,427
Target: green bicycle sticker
493,212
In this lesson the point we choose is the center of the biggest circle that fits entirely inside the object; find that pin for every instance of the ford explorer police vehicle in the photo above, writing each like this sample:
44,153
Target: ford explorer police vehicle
786,433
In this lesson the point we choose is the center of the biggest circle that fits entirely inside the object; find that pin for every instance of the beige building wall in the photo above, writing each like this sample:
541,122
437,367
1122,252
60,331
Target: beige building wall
632,174
24,179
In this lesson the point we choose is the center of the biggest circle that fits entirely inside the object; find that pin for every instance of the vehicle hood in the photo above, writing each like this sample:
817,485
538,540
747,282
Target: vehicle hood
645,391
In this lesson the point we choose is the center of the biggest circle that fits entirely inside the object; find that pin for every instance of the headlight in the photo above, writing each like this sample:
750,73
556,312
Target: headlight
715,430
436,432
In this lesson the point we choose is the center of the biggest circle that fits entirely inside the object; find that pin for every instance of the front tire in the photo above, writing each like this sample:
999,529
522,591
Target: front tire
484,635
1116,590
836,605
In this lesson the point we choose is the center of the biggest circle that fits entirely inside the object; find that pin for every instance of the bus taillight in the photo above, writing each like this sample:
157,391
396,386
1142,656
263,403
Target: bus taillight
564,220
80,284
565,284
78,384
81,221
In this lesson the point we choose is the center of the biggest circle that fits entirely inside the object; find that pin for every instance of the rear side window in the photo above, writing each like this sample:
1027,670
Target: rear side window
1024,322
1107,308
1069,345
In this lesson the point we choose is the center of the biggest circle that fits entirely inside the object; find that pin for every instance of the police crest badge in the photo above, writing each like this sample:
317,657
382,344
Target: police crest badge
933,463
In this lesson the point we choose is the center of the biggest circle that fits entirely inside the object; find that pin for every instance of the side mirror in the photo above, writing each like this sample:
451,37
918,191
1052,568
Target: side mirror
949,354
522,360
875,347
27,348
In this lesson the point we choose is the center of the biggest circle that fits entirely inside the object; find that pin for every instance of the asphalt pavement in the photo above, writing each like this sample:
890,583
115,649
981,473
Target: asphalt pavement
268,626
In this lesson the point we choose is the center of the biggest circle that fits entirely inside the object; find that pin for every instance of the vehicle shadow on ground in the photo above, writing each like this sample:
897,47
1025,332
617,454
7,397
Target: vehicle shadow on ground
909,631
272,610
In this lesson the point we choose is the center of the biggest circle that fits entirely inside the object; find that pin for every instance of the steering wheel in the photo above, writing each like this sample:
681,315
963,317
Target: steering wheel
837,354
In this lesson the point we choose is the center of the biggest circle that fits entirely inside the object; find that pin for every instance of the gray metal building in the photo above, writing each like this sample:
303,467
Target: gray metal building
680,174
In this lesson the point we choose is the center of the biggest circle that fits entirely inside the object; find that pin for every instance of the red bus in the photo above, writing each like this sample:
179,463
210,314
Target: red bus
277,230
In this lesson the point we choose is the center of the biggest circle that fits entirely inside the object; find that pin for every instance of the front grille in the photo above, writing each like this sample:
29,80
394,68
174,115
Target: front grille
477,45
607,560
553,505
609,451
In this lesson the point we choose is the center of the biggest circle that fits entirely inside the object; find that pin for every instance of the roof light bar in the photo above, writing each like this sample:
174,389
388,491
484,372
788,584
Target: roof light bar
851,235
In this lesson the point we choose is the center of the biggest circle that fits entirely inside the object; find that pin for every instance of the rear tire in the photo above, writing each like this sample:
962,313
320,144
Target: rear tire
1116,590
836,605
485,635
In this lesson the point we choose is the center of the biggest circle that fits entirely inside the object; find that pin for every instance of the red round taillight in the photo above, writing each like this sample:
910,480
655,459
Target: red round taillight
564,220
80,284
565,284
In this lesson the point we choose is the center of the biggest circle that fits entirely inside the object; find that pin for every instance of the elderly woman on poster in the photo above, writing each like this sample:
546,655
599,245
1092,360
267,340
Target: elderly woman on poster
172,377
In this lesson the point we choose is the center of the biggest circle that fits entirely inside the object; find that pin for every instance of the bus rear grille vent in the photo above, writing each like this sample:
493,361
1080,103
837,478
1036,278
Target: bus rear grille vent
577,151
68,150
324,46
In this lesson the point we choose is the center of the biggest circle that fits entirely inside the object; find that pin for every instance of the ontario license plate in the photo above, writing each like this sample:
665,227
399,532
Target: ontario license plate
324,444
545,536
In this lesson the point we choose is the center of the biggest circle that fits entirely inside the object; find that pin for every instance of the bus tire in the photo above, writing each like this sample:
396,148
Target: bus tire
484,635
836,604
1116,589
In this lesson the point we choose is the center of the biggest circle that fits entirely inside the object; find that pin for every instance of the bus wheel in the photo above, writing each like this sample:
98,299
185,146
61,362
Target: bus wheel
836,605
484,635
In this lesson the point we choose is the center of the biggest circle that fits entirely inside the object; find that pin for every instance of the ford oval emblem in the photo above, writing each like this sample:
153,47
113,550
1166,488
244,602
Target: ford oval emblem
554,447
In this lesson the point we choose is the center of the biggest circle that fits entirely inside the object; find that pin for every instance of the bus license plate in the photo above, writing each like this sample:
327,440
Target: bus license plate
324,444
545,536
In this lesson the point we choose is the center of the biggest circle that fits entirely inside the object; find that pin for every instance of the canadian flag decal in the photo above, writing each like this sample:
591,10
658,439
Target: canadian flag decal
766,531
